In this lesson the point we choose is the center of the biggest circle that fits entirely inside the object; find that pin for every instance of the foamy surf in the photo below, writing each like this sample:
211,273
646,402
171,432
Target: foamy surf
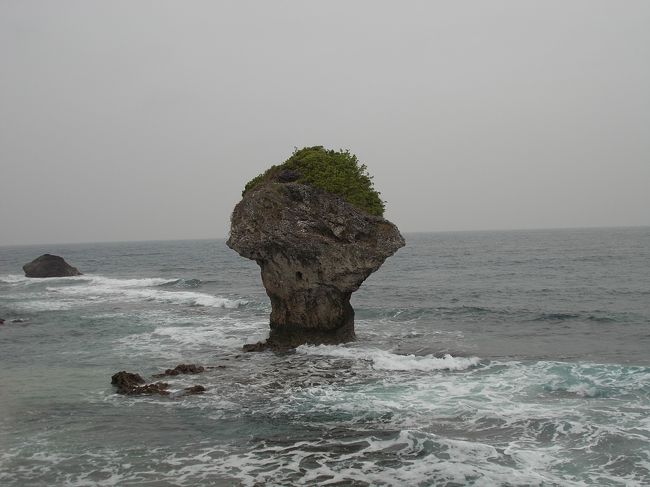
13,278
177,341
561,401
415,457
144,289
383,360
88,278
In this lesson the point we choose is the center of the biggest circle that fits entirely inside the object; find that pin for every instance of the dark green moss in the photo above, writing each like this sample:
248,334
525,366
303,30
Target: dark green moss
337,172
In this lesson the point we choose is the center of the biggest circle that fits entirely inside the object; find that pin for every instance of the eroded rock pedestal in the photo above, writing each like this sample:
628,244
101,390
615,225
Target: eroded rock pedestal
314,250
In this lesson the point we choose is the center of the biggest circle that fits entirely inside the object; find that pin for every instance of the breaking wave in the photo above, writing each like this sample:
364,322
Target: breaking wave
383,360
143,289
63,293
183,283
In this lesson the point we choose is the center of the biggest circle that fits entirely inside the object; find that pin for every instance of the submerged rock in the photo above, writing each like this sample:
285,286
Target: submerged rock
182,369
153,388
255,347
16,320
197,389
48,265
314,250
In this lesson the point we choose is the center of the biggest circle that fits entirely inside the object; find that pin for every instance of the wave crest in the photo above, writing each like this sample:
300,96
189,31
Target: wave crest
383,360
100,288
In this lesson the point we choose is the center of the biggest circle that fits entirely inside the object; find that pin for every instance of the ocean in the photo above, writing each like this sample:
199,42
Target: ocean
513,358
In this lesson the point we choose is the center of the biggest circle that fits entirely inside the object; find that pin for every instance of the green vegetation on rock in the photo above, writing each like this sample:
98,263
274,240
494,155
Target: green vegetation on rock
337,172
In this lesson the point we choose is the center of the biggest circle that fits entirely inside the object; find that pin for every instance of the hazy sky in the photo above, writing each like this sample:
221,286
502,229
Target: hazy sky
141,120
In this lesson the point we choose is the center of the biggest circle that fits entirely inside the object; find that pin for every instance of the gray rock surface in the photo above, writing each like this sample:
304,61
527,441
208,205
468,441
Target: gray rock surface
314,250
48,265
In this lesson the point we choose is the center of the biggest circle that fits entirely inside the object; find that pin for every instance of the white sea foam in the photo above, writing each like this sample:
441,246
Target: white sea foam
493,430
45,304
383,360
95,287
439,461
13,279
582,389
169,339
140,290
485,427
90,278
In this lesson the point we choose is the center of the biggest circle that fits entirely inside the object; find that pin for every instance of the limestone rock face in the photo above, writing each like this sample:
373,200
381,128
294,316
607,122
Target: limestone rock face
48,265
314,250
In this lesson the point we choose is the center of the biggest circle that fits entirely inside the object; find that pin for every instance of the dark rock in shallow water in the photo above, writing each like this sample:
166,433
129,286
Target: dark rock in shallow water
133,384
197,389
279,346
48,265
154,388
17,320
126,381
182,369
256,347
314,250
130,383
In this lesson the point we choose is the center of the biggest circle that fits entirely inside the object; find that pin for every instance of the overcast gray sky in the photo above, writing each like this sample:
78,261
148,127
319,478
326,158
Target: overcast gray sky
134,120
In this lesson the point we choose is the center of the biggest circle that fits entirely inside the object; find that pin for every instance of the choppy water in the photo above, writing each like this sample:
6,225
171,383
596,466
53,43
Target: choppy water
492,358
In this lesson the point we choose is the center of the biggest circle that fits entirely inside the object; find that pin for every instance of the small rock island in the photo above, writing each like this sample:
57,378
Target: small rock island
48,265
315,226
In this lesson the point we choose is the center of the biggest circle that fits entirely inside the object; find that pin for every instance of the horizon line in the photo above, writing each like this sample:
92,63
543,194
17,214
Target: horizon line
195,239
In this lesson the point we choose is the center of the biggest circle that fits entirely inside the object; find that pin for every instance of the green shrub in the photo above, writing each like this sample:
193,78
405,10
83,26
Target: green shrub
337,172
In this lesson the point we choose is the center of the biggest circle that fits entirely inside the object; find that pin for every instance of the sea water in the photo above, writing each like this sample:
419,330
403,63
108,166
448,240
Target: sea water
482,358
